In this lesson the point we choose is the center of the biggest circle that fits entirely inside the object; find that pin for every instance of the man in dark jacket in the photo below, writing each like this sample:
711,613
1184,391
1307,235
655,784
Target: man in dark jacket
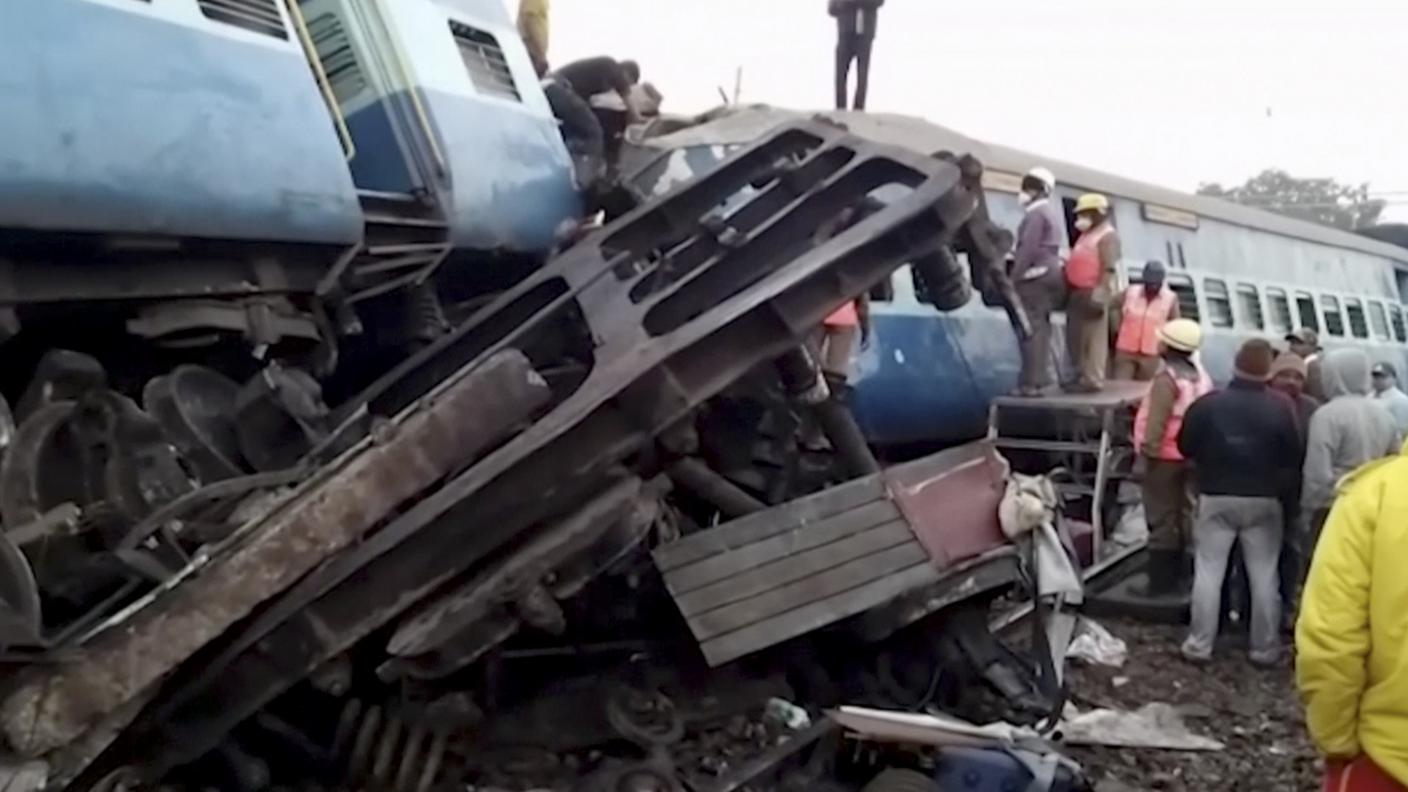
855,37
1244,446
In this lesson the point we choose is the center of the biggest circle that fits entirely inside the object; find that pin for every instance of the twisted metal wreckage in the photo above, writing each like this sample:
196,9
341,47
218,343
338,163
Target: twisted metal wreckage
348,615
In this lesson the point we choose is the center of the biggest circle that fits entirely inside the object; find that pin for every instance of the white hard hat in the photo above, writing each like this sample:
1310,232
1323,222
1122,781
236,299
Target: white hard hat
1044,176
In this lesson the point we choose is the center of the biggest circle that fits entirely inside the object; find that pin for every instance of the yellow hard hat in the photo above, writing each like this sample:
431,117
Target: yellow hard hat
1093,202
1185,335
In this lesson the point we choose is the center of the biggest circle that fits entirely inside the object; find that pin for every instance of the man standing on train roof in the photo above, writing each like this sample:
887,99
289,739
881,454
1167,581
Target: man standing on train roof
1388,394
1305,343
855,38
1168,494
1036,274
1349,431
1146,307
1244,445
1090,275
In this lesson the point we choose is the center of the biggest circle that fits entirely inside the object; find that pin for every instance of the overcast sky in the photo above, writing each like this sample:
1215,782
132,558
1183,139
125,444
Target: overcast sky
1169,91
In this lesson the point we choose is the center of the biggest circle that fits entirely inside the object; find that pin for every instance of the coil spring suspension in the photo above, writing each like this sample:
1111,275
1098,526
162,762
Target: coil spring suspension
377,751
425,313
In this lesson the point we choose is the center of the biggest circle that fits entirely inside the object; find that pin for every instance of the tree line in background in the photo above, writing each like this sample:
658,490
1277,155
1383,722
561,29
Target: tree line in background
1324,201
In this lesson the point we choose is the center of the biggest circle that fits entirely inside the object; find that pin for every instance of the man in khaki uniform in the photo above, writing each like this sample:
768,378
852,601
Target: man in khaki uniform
1090,275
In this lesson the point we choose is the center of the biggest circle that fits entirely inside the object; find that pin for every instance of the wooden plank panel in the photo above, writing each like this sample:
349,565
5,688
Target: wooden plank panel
849,575
764,524
722,648
723,565
760,579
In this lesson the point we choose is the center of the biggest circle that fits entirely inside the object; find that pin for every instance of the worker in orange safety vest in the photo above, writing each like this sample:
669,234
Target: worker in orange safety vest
1090,276
1168,478
1147,307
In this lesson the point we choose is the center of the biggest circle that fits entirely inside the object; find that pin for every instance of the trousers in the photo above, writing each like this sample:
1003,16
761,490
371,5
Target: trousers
1168,504
1039,297
1087,337
855,38
1360,775
1255,523
1140,368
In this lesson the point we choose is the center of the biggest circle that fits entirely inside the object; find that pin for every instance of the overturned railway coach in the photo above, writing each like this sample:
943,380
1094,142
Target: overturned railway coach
337,612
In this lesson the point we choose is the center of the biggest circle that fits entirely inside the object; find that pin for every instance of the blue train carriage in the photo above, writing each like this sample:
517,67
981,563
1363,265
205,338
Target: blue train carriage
927,376
182,161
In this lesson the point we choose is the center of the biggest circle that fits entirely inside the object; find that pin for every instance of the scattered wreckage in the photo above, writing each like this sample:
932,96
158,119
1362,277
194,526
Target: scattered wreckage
475,570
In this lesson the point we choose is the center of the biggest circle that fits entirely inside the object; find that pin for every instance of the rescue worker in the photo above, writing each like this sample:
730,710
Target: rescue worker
602,74
533,28
1036,274
1351,651
838,337
1168,502
1244,445
1090,276
1288,376
1305,343
1347,432
1288,379
1146,307
855,38
1388,394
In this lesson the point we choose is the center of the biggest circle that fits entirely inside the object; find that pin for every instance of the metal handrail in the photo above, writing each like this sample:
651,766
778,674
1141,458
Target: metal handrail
349,146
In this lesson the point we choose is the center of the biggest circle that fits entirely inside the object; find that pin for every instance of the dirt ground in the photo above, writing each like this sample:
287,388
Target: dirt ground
1253,711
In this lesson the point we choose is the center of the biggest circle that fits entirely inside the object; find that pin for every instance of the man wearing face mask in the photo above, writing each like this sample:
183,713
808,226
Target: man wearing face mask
1090,276
1146,308
1036,273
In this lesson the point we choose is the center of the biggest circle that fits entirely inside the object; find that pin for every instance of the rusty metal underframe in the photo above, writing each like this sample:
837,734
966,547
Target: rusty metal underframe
679,301
53,705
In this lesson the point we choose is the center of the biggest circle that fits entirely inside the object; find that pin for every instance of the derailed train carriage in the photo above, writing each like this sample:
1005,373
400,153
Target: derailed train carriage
271,506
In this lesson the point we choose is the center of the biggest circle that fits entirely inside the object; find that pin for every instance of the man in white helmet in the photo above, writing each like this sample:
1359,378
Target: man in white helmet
1036,273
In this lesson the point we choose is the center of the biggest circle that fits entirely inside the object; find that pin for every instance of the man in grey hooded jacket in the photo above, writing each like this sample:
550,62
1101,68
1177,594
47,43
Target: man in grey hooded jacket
1349,431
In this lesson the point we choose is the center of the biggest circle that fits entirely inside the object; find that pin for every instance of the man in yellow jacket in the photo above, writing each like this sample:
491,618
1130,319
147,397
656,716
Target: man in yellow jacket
1352,635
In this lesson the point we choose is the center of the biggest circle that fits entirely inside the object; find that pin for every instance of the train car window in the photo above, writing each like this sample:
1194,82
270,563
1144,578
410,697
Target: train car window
484,60
1250,303
1378,320
1219,303
1182,262
258,16
1334,322
1187,297
334,48
1280,310
1395,318
1068,208
1168,247
884,291
1305,308
1354,310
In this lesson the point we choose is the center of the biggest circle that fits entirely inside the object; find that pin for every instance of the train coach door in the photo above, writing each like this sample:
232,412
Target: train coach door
372,88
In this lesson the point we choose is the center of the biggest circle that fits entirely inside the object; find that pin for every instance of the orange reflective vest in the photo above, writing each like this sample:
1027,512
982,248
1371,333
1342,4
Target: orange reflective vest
1141,319
1189,391
1083,269
845,316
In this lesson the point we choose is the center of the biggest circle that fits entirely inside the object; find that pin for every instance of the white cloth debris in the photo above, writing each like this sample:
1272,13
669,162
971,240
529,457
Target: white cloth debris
788,714
1155,725
1095,644
1132,528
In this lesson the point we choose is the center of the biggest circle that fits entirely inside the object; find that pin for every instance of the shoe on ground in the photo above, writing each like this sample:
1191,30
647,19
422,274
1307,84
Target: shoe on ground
1270,659
1194,656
